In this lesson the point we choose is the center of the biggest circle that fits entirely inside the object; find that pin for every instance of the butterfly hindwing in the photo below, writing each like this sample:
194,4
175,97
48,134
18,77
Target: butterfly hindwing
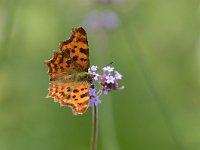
75,95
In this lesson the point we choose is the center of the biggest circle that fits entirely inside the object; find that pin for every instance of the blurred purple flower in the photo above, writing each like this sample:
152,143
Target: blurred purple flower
108,81
110,20
110,1
98,19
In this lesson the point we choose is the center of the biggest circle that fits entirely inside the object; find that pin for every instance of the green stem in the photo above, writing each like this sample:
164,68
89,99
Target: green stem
94,127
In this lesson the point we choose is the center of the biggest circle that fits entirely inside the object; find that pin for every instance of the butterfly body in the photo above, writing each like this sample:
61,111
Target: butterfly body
83,76
68,72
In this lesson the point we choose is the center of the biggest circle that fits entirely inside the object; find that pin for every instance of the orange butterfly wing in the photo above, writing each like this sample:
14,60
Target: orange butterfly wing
72,58
74,96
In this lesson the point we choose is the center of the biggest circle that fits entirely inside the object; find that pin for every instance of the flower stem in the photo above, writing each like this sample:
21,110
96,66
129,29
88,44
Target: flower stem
94,127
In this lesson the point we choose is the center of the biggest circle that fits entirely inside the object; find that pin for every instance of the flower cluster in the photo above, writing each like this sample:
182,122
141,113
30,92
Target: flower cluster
107,81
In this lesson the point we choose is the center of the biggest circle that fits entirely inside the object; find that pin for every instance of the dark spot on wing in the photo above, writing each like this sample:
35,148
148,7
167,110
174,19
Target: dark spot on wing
83,59
74,58
67,96
61,67
84,51
62,94
56,67
75,91
73,96
84,95
73,50
66,53
68,89
69,61
82,89
78,40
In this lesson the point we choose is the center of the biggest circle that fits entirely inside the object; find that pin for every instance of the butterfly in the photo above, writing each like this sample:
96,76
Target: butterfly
68,72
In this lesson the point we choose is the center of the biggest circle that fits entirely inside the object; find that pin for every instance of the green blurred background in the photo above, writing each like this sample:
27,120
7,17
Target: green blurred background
154,44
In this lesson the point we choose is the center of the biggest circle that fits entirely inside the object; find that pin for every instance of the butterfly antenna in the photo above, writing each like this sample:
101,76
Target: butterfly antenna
109,64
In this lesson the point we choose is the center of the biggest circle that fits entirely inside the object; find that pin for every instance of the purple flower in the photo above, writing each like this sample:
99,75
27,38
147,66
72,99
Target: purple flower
110,79
105,91
93,68
96,77
118,75
94,101
92,91
94,98
108,68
